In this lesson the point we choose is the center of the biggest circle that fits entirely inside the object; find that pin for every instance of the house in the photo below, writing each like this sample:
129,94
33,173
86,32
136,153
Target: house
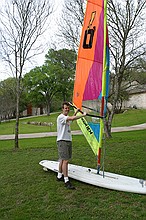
31,111
137,96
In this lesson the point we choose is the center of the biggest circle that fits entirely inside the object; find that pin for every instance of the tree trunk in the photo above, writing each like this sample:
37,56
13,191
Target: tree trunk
17,114
107,124
48,107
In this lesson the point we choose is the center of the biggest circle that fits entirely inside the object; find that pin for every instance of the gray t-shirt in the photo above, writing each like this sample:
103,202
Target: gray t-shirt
63,128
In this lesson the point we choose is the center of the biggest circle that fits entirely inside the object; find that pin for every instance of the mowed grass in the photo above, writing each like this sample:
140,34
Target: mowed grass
8,127
128,118
27,192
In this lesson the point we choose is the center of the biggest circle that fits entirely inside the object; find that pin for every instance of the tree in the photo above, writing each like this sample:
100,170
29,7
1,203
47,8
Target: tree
125,21
138,73
127,44
53,78
42,84
65,61
22,23
7,98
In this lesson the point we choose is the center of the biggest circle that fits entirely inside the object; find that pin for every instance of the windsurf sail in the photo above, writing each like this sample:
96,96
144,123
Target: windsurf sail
92,74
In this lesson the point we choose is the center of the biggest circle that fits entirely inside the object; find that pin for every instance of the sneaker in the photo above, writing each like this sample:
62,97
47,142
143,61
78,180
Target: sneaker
60,179
68,185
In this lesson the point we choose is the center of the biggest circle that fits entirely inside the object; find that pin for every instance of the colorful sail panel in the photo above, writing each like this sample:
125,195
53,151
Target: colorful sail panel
92,70
88,81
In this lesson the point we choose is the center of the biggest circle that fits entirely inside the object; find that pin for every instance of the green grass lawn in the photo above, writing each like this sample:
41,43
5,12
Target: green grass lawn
130,117
25,128
27,192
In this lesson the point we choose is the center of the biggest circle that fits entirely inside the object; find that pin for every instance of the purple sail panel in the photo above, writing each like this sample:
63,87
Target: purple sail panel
94,83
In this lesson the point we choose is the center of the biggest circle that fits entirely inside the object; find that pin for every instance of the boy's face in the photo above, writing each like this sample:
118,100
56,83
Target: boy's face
66,109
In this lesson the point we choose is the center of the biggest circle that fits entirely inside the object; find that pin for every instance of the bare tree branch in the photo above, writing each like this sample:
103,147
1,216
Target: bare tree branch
71,23
22,23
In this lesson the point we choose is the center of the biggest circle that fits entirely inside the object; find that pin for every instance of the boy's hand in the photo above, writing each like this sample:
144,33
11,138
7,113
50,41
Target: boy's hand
77,110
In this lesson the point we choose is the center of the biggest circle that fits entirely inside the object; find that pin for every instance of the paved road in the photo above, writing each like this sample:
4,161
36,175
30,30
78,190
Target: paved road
48,134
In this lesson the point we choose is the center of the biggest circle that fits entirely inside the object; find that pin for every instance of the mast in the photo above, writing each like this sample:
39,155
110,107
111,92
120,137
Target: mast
103,88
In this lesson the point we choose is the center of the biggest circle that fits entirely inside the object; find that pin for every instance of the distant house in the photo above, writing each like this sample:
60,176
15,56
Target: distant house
137,96
31,111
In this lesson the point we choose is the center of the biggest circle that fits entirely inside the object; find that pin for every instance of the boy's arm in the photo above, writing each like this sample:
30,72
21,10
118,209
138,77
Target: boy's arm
76,117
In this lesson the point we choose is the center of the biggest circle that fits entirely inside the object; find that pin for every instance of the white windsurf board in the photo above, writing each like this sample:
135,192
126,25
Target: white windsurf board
110,180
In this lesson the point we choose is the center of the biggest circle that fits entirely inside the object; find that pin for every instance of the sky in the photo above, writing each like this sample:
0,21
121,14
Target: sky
47,38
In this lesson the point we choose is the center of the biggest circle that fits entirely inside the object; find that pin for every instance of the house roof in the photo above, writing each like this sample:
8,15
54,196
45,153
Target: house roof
138,89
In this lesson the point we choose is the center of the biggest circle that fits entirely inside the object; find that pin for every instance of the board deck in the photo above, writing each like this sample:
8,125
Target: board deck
110,180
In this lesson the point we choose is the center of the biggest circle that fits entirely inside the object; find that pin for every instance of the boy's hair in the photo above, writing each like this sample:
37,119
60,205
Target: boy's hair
65,103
